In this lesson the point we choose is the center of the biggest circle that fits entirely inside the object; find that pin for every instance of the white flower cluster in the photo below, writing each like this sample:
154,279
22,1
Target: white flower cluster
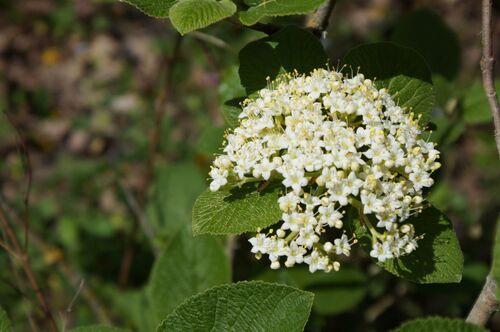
332,141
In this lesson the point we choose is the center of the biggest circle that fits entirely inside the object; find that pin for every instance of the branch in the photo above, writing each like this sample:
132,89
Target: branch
28,271
486,304
318,20
487,65
64,268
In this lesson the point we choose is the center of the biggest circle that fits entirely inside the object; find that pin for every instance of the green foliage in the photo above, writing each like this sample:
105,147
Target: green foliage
187,266
258,9
98,328
236,210
400,70
495,268
231,110
425,32
334,292
155,8
245,306
438,258
475,105
438,324
5,325
175,190
287,50
189,15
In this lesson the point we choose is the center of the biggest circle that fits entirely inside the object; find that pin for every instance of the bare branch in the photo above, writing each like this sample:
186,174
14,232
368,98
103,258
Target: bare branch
25,263
318,20
487,302
487,65
485,305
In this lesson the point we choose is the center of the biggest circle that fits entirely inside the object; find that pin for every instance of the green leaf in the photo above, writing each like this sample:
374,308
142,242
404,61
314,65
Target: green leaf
134,305
425,32
495,268
189,15
438,324
5,325
264,8
245,306
438,258
334,292
236,210
231,111
176,188
475,105
210,140
187,266
97,328
287,50
155,8
400,70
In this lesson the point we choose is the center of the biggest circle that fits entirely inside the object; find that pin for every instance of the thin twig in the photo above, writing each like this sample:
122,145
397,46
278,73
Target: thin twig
69,308
65,269
318,20
487,302
7,248
485,305
487,65
25,263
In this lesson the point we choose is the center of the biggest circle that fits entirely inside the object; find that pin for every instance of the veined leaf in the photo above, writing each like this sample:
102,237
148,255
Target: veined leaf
236,210
245,306
189,15
400,70
187,266
155,8
438,324
264,8
287,50
438,258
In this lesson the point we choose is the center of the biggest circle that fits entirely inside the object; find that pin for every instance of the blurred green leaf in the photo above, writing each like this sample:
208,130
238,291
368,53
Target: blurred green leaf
5,325
448,130
245,306
155,8
136,306
495,268
425,32
400,70
475,105
287,50
210,141
97,328
236,210
334,292
186,267
189,15
438,324
231,111
175,190
438,258
264,8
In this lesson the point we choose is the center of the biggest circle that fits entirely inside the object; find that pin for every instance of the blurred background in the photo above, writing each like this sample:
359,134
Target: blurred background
121,117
